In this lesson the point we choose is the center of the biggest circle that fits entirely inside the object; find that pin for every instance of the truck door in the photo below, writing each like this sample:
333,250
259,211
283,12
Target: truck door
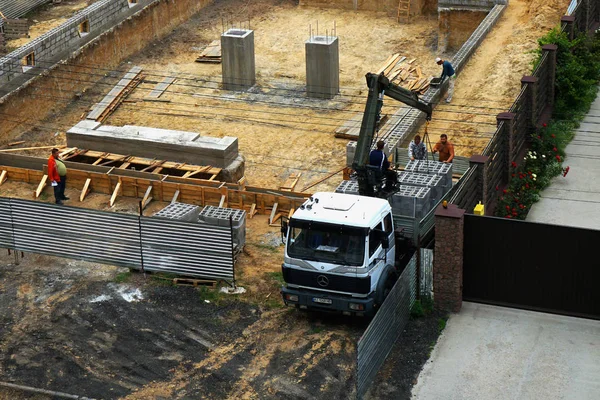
388,227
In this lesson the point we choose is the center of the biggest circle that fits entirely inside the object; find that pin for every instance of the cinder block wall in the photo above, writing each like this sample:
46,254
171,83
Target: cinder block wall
116,32
455,27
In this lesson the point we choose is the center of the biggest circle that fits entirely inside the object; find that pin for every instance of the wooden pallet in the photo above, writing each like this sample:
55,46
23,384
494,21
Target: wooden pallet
16,28
194,282
3,49
211,53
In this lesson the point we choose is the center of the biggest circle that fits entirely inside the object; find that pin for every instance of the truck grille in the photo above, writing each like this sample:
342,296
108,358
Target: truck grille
319,280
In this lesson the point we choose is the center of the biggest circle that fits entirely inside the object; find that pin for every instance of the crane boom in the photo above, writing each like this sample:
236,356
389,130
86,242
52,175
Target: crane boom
379,85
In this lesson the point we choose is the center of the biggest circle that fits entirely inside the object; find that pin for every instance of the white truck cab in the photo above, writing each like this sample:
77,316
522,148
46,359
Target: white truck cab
340,253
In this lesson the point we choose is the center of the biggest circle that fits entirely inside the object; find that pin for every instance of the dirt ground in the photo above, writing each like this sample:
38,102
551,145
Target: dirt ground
169,342
47,17
491,81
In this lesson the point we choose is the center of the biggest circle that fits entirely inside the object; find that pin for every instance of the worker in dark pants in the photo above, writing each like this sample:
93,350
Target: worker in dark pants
447,71
377,158
57,173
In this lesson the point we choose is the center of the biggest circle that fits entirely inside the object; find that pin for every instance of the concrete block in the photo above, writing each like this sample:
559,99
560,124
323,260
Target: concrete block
180,211
237,59
322,67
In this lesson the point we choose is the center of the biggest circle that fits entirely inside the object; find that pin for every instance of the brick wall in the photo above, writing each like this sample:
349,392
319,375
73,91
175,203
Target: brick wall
448,258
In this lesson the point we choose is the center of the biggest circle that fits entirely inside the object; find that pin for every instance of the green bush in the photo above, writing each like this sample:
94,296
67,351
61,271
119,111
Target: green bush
417,310
577,73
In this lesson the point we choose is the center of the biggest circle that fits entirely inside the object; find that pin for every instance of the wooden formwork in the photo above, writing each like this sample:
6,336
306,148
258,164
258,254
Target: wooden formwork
165,188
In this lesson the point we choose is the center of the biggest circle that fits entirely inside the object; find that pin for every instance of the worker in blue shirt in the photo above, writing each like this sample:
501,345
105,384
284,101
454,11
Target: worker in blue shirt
377,158
447,71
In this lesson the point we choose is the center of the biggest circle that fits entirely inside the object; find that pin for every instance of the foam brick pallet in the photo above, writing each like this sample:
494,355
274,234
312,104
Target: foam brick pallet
220,216
347,187
432,167
180,211
411,201
433,181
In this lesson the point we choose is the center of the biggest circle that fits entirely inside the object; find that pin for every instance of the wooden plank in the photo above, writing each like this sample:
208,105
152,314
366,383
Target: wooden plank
115,193
124,165
3,176
279,215
31,148
175,196
290,182
252,210
273,212
419,73
147,199
290,213
160,88
115,93
393,65
222,201
323,179
16,143
41,186
385,64
86,189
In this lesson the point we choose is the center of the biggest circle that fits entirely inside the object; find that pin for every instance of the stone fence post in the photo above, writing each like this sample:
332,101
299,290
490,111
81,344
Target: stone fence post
448,258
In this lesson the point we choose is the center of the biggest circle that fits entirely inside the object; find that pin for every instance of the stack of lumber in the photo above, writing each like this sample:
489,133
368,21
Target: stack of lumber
405,73
211,53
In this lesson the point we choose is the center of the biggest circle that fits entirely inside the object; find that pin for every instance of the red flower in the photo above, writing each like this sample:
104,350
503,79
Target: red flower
514,164
566,171
497,188
527,185
508,208
513,175
515,213
539,137
553,135
504,191
508,216
558,157
544,125
555,149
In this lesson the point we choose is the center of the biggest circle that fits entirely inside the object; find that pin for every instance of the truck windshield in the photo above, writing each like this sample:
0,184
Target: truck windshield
326,246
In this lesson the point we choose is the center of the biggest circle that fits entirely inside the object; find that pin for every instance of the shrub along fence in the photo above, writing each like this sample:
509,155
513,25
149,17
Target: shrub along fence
494,169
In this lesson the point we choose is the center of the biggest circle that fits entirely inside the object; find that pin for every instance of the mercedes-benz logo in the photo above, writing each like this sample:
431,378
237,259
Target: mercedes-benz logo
322,280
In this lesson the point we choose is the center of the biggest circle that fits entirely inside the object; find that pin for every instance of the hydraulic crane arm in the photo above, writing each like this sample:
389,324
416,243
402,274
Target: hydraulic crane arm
379,85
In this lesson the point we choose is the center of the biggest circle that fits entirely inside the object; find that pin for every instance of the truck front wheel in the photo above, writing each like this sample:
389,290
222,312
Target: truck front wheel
386,283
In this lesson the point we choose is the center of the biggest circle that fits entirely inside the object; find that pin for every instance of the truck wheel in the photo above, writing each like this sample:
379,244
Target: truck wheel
386,283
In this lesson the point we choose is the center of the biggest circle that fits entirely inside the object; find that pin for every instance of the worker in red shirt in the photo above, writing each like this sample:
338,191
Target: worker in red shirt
57,173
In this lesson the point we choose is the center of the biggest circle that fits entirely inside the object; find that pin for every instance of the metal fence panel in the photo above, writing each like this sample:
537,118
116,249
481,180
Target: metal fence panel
381,334
426,283
187,248
6,230
77,233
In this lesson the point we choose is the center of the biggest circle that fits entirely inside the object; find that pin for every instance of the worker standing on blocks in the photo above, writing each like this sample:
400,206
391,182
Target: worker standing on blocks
447,71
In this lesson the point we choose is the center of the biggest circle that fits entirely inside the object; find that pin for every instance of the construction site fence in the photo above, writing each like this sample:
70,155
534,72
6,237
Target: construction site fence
136,242
378,339
18,8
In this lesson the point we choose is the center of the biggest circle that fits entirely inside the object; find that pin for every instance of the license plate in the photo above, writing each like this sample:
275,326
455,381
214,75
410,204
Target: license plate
322,301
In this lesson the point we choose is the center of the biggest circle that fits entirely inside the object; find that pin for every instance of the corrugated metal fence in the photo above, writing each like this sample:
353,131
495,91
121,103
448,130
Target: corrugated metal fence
148,243
381,334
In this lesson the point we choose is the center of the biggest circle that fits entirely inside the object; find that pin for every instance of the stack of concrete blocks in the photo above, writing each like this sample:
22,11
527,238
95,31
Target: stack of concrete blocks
322,67
100,16
347,187
432,167
221,216
180,212
411,201
434,182
237,59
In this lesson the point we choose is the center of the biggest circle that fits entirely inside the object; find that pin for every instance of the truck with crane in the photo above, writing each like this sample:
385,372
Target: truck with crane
342,251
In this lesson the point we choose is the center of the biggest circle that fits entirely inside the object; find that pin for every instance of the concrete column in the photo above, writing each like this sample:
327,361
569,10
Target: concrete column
570,21
481,163
551,49
509,129
448,258
237,59
322,67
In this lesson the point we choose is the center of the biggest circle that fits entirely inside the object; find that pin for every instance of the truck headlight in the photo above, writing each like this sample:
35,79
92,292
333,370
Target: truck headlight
291,297
357,307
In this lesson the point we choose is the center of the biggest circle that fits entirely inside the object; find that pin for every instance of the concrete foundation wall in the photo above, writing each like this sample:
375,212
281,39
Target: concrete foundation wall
455,27
32,98
162,144
417,7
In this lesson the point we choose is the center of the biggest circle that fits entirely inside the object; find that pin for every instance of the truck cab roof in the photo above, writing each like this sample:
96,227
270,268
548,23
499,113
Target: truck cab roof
343,209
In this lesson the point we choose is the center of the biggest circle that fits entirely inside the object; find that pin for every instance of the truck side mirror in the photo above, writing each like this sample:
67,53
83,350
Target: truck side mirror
385,242
284,229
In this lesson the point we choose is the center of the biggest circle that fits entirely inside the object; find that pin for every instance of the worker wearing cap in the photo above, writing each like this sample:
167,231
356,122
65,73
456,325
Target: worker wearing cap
447,71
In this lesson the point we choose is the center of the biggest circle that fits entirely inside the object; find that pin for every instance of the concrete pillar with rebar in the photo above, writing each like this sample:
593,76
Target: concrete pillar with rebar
322,67
237,59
